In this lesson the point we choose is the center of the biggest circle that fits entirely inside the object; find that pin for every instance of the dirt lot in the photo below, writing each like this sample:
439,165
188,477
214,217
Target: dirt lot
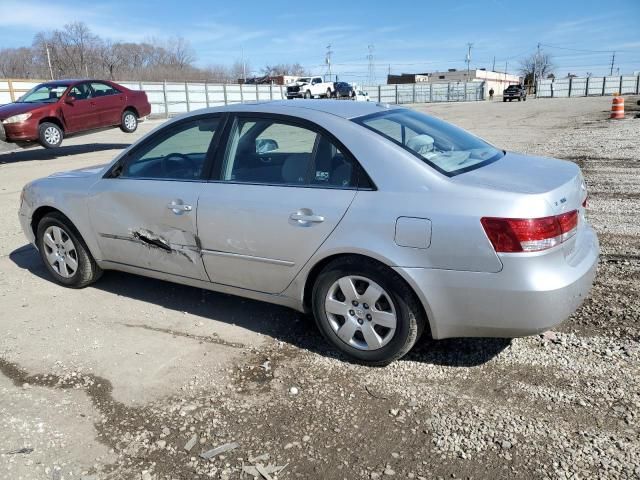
112,381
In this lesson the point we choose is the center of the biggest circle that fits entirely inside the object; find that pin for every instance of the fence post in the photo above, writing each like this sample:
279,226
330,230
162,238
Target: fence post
379,94
257,93
241,93
551,87
620,89
570,86
431,93
206,93
638,85
164,94
271,91
604,84
186,94
414,93
11,92
282,96
449,92
586,88
224,93
397,102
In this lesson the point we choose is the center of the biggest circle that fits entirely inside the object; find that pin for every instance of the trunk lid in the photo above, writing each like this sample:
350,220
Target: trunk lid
559,181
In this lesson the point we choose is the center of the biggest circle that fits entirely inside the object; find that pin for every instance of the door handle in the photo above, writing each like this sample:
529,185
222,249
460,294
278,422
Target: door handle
178,207
305,217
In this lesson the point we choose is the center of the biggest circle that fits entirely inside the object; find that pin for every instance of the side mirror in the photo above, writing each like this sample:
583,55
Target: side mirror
265,145
70,99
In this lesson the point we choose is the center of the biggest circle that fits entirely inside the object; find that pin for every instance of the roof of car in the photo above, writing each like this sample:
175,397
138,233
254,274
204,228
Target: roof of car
341,108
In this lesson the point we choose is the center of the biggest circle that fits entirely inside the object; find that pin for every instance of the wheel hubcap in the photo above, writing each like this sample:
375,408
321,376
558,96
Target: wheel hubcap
129,121
60,251
52,135
361,313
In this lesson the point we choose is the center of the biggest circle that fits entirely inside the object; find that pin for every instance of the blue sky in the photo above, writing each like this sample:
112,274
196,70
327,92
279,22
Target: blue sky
414,36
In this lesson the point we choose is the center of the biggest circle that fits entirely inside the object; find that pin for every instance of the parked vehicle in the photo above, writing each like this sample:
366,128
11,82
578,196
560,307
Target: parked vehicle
54,110
513,92
361,96
382,221
309,87
343,89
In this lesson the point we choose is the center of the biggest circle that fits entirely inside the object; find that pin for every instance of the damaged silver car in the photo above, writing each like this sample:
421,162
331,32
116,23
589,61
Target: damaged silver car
384,222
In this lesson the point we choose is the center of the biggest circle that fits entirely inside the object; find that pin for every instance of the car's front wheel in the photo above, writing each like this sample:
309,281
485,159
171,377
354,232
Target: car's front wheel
64,252
307,94
367,311
129,123
50,135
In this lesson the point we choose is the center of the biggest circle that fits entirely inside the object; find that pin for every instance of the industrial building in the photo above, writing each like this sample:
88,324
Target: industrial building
496,80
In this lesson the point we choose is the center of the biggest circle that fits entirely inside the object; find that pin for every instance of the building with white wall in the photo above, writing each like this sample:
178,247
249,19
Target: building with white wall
496,80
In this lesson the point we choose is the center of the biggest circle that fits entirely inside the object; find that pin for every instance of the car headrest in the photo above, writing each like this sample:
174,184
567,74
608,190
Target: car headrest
295,167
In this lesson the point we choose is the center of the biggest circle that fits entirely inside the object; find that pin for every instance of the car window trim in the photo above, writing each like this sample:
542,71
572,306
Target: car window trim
363,179
166,133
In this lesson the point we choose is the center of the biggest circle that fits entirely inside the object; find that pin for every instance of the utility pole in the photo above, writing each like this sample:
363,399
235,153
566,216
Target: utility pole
468,58
327,59
244,67
371,79
46,46
493,68
613,59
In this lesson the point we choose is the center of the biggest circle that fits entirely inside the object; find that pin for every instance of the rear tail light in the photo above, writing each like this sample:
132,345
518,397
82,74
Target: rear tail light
529,234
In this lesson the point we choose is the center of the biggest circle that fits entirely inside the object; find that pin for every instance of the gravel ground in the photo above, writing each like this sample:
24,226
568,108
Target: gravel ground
141,369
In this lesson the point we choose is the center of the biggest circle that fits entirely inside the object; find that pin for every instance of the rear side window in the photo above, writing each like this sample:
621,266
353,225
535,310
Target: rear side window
102,89
274,152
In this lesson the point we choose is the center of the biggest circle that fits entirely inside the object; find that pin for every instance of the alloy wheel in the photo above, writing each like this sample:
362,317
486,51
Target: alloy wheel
60,251
52,136
361,312
130,121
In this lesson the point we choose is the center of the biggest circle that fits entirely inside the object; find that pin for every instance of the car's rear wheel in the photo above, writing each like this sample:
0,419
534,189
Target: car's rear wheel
64,252
367,311
504,99
329,93
307,94
129,123
50,135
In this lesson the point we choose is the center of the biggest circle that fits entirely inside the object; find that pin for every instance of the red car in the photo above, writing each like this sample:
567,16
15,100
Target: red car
53,110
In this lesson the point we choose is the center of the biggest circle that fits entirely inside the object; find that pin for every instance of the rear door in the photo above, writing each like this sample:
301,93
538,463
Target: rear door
144,212
282,187
109,103
80,113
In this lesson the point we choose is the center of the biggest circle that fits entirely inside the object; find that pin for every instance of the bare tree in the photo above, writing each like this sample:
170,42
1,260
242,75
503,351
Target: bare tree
284,69
536,65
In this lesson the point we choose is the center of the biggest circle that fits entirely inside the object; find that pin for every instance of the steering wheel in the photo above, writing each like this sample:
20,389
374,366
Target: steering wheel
185,165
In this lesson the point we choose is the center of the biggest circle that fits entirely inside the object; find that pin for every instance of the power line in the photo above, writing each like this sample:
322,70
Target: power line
576,49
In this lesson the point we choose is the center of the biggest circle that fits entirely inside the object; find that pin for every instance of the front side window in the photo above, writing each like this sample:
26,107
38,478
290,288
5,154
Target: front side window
81,91
178,154
447,148
44,94
272,152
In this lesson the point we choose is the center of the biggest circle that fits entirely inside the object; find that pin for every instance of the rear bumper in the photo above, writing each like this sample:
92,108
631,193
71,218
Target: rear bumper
530,294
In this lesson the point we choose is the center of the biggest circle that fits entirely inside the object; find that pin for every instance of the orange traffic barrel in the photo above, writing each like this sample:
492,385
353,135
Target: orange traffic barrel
617,107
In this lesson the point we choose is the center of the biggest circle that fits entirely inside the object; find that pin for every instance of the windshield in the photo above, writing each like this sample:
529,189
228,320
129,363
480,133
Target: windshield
44,94
304,79
447,148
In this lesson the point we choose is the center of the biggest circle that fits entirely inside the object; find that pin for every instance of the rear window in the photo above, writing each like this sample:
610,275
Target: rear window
445,147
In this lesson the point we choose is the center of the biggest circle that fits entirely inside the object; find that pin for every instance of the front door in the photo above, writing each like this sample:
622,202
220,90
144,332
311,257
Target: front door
282,190
144,212
78,109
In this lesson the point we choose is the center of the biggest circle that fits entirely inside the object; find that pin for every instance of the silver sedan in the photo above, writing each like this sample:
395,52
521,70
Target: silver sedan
384,222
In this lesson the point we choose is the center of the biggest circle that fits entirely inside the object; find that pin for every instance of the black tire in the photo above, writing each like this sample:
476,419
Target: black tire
307,94
329,93
524,99
50,135
411,319
129,121
87,270
504,99
519,99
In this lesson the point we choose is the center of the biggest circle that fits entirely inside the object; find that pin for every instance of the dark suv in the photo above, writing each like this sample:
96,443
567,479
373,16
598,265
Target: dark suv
514,92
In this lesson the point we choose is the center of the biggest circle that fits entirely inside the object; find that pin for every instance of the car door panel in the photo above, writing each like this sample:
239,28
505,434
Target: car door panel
249,238
109,104
149,224
80,114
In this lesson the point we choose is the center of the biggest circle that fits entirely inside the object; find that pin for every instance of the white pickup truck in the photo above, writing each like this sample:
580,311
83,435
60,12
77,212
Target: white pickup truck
309,87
